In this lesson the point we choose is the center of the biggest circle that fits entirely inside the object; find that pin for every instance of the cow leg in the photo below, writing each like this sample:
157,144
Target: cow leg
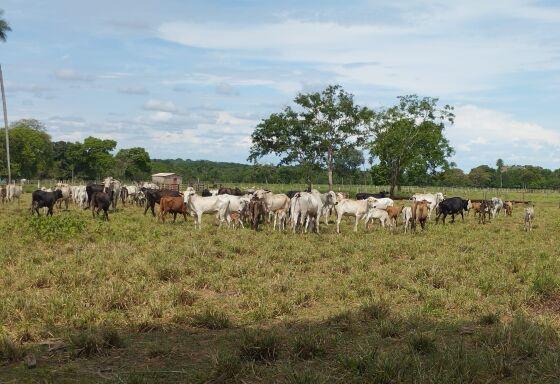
174,216
356,223
199,219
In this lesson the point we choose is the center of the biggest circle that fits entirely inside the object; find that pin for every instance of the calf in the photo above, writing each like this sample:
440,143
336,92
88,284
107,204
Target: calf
281,215
256,210
508,208
484,209
529,216
420,213
153,197
101,201
43,199
394,213
235,219
497,205
90,190
349,207
174,205
452,206
407,218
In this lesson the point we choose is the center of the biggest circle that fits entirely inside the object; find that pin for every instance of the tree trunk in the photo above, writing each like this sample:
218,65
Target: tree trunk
330,167
394,179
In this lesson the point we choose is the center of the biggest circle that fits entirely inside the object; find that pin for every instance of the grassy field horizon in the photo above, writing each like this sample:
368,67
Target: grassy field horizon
137,301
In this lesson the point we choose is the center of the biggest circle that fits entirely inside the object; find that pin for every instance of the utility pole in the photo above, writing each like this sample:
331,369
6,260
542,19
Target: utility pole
6,126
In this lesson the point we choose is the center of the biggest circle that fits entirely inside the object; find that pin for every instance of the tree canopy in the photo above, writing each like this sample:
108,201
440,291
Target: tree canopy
323,125
408,139
4,27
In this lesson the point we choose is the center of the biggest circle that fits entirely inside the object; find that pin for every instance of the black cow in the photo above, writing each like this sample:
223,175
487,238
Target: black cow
206,193
43,199
101,201
153,196
90,190
365,195
452,206
291,194
230,191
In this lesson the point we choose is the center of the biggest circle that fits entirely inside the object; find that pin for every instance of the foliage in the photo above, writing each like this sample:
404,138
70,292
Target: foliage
323,125
4,27
133,164
55,228
409,140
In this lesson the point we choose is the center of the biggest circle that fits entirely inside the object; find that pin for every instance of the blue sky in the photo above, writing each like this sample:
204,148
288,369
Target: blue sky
191,79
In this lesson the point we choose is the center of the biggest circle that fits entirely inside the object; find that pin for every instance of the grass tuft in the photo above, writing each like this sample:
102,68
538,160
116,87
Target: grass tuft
211,318
259,346
422,343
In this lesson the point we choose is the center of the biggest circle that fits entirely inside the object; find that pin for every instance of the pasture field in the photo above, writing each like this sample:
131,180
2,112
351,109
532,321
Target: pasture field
136,301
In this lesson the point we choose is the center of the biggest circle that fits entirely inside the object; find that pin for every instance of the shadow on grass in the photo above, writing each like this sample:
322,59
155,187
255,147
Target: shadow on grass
372,344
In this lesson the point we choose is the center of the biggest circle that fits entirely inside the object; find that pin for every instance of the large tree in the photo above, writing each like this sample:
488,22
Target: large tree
410,137
315,133
30,148
133,163
4,27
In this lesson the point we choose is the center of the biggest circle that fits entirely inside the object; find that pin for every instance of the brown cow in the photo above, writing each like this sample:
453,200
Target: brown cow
419,213
174,205
394,213
256,210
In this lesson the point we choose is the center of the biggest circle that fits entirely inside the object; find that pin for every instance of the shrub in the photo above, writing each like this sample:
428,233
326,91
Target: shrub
55,227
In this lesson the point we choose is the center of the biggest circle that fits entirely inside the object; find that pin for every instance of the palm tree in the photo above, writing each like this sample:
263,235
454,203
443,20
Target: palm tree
4,27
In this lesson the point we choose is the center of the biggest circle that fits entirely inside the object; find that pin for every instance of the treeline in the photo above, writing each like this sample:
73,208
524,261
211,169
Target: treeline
35,156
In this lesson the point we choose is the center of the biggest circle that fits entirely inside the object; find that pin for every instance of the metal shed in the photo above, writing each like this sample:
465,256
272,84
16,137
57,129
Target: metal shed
167,180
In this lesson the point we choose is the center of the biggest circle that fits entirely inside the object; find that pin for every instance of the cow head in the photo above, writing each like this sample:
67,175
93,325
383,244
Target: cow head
331,198
439,197
260,193
371,202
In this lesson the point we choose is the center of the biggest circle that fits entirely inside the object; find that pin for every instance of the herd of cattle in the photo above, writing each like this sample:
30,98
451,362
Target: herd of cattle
297,210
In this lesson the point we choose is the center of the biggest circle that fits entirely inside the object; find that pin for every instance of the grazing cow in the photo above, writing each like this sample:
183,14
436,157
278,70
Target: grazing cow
484,209
452,206
256,209
407,218
211,204
153,196
66,194
349,207
365,195
101,201
498,204
394,213
111,184
432,199
43,199
174,205
305,210
529,216
420,213
508,208
91,189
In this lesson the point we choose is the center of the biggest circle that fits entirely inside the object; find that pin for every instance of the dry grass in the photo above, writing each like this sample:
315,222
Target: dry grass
134,300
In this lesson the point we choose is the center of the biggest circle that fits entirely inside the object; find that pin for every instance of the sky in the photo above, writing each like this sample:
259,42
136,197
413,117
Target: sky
191,79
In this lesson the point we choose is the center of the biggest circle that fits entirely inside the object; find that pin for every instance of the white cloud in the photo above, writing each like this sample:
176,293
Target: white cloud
134,90
72,75
492,134
160,105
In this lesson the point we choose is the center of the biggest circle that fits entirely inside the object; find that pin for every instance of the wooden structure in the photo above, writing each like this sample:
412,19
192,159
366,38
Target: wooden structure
167,180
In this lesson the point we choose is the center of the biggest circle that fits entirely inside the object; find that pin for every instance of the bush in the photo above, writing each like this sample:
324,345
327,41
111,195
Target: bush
55,227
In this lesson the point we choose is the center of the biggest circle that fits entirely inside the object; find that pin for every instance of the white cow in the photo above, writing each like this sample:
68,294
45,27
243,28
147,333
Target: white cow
328,200
498,205
13,192
349,207
80,196
529,217
149,185
432,199
236,204
280,217
376,213
407,218
273,201
211,204
66,194
115,185
306,208
381,203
